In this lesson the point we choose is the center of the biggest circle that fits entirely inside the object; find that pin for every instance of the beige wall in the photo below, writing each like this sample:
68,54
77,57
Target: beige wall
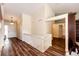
18,28
55,29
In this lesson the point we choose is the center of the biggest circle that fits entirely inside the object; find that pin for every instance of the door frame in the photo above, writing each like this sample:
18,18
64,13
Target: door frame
65,16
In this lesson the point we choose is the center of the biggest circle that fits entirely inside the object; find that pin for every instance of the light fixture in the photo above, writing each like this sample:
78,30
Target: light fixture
11,21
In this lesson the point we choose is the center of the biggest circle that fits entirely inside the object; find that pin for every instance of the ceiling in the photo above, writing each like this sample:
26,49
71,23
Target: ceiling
30,8
18,8
60,8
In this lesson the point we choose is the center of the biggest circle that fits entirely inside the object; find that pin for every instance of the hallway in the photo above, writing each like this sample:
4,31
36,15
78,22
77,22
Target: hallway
16,47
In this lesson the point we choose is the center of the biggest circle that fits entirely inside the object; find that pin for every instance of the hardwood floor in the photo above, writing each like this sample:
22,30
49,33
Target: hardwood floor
58,47
16,47
59,42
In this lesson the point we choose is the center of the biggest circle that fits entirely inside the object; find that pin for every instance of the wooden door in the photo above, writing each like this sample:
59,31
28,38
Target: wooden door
71,31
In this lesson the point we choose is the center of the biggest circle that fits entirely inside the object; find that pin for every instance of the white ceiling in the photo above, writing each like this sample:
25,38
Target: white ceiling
60,8
30,8
18,8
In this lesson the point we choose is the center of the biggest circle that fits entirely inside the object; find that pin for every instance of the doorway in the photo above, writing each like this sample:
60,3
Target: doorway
58,35
10,32
10,29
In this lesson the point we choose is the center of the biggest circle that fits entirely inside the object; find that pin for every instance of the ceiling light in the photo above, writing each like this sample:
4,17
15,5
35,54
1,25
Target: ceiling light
11,21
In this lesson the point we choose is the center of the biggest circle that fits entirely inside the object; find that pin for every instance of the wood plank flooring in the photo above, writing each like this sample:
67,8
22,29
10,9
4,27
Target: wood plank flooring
60,42
58,47
16,47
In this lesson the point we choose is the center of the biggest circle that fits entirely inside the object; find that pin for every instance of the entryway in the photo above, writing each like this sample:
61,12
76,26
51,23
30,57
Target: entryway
58,35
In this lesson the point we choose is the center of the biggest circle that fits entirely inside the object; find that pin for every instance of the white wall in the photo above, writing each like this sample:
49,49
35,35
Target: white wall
26,28
36,24
41,28
39,24
35,30
26,23
40,42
